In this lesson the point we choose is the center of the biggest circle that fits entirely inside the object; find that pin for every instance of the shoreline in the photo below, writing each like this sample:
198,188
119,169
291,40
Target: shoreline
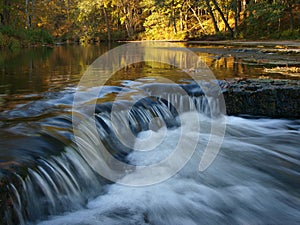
268,43
259,43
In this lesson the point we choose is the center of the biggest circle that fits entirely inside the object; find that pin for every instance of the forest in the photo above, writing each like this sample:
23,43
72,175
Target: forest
35,22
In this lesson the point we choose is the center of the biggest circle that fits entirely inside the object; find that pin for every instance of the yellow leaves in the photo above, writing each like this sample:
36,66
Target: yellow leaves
122,19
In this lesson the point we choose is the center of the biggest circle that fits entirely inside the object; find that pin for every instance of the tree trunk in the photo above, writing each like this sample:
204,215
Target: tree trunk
107,24
223,18
244,5
129,28
6,12
128,19
181,20
197,17
27,24
32,12
291,16
237,7
1,18
212,16
244,8
174,18
68,11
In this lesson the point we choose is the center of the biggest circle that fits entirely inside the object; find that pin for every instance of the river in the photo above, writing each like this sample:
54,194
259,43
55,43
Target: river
51,175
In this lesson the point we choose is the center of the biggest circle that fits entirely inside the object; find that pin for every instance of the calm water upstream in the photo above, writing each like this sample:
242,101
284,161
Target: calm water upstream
255,178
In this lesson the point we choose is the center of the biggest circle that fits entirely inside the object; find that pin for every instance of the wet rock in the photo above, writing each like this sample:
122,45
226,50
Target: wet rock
270,98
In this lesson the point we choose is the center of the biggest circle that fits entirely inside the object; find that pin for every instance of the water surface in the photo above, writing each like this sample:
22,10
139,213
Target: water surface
254,180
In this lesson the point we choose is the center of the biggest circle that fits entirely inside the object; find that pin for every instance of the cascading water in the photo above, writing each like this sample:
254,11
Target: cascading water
157,134
254,180
60,179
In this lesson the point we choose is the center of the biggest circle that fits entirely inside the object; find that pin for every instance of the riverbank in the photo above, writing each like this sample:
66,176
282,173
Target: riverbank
251,43
14,39
244,46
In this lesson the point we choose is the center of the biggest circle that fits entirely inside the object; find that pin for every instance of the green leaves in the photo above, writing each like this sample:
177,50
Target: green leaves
263,18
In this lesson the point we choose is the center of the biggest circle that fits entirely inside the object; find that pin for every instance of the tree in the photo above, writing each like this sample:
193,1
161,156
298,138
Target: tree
197,17
212,16
223,17
289,4
151,19
165,19
263,18
237,7
29,12
130,15
6,12
91,14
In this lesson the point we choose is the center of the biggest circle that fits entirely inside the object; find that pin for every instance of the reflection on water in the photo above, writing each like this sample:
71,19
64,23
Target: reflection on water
33,71
39,82
25,75
230,67
248,62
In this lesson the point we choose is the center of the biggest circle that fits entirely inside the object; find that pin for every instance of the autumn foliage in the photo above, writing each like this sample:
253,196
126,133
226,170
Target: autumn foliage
39,22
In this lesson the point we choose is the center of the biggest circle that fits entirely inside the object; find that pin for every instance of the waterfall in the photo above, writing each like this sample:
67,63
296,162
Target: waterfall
66,180
254,178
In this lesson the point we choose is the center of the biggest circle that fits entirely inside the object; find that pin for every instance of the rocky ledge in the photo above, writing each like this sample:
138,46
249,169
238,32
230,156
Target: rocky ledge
262,97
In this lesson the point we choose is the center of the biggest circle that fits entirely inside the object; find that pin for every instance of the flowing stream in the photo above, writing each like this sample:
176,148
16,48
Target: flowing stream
47,179
255,180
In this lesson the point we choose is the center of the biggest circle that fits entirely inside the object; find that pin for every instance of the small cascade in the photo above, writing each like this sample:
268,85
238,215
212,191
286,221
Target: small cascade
64,181
55,184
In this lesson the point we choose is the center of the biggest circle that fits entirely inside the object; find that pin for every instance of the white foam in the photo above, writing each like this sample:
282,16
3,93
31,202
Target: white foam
245,185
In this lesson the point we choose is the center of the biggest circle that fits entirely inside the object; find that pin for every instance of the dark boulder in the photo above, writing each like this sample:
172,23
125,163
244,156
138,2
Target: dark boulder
270,98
